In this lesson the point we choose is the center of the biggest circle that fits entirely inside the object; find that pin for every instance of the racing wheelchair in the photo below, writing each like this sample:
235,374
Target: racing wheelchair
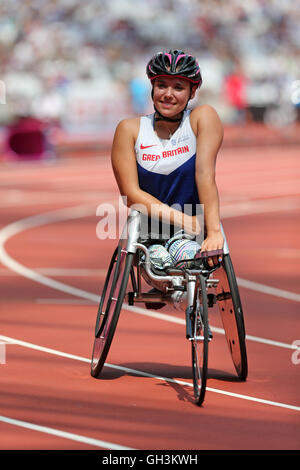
196,289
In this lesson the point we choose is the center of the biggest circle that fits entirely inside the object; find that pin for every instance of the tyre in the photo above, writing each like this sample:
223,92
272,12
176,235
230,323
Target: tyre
231,311
199,342
110,305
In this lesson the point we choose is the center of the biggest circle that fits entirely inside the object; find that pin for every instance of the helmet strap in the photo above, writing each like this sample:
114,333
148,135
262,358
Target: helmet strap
161,117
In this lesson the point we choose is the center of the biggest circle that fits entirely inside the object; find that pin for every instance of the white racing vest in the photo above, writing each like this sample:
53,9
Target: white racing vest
167,172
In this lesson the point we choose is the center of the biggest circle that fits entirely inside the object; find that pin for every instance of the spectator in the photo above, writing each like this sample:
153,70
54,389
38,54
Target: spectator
52,41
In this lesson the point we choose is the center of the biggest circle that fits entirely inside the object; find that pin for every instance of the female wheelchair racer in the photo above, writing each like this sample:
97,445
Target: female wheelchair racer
163,163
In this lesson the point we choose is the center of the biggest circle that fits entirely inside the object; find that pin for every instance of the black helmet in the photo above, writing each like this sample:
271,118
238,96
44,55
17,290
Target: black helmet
174,63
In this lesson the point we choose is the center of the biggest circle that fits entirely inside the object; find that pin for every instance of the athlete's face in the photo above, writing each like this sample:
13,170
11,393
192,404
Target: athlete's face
170,95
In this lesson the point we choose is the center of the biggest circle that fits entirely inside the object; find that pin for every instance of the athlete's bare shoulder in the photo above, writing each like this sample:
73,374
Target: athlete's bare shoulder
128,127
205,110
205,116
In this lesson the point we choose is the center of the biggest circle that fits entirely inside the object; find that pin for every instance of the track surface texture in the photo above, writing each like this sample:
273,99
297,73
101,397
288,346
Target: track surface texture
52,268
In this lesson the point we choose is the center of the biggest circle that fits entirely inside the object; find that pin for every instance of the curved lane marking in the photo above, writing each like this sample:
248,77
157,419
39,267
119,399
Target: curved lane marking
84,211
71,213
144,374
65,435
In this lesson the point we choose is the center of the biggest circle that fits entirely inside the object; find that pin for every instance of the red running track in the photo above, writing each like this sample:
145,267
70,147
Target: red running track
48,398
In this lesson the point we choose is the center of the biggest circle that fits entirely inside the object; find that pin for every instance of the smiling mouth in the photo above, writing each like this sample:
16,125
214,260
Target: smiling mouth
167,105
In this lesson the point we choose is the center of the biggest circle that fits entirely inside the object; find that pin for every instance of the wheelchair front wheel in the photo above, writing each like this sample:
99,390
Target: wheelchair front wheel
199,340
111,301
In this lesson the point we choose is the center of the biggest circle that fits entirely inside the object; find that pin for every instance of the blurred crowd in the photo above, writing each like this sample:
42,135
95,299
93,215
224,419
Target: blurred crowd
81,63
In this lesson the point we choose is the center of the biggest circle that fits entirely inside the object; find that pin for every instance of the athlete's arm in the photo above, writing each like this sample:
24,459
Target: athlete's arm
125,170
209,131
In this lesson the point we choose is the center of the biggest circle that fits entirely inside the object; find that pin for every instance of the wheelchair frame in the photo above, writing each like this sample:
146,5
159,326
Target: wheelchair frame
185,287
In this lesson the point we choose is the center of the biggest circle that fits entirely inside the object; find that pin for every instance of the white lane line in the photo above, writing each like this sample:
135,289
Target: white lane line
65,435
146,374
214,390
11,198
268,289
34,221
64,301
164,317
81,272
71,213
181,321
62,272
260,206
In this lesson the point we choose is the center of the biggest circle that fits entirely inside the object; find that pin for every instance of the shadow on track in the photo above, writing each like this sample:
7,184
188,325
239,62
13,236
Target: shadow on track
168,371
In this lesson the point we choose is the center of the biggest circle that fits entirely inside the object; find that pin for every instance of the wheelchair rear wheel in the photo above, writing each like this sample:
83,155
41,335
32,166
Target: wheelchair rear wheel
231,311
111,301
199,342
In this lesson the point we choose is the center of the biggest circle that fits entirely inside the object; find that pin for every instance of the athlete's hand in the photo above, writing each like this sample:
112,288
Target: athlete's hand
213,241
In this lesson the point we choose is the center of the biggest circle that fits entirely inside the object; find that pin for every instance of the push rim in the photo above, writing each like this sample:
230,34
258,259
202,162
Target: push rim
231,311
110,307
